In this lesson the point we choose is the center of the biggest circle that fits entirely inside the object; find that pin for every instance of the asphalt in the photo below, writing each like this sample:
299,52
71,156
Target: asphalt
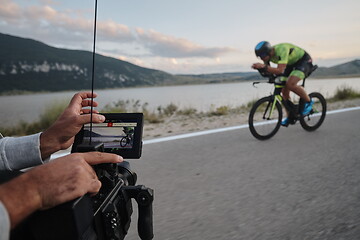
229,185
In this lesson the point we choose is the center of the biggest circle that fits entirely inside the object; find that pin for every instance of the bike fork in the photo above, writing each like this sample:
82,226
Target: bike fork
276,99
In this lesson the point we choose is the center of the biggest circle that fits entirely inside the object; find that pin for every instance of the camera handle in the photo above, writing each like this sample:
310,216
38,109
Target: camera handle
144,197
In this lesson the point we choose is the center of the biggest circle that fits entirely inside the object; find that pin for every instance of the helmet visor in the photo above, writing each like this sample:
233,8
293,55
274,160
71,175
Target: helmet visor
263,55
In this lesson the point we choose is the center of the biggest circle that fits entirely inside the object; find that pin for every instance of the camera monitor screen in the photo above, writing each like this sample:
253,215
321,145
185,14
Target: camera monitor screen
120,133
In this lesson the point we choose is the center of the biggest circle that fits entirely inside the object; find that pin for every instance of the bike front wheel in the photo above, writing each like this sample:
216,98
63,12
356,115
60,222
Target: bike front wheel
317,115
264,122
123,141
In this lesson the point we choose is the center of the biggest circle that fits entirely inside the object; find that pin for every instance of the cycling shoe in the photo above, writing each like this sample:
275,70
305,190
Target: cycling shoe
285,122
308,107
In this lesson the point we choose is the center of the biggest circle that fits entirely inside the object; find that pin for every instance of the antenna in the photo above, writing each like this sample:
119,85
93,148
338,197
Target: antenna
93,73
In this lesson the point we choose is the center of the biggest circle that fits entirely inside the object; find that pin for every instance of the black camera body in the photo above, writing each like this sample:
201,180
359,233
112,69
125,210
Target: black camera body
112,206
107,215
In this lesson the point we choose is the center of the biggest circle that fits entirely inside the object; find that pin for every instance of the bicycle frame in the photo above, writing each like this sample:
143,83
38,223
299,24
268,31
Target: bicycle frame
277,98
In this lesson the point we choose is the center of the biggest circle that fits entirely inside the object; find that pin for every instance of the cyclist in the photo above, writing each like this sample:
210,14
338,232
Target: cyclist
293,63
128,130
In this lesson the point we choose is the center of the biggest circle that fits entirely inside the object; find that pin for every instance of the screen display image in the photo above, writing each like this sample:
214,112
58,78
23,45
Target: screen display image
120,133
114,134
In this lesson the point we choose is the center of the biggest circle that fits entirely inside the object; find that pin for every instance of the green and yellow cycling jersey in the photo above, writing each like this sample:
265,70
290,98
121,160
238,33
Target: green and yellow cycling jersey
287,53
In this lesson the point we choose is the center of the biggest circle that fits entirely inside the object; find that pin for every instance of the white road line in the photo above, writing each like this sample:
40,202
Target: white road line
188,135
343,110
206,132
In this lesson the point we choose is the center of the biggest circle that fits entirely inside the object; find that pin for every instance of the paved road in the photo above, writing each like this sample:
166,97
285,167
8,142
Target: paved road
298,185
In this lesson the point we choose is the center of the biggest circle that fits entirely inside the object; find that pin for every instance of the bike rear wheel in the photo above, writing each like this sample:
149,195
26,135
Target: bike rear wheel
262,125
317,115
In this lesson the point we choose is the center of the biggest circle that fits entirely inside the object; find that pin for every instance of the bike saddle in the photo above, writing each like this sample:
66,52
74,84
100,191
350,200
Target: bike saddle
312,70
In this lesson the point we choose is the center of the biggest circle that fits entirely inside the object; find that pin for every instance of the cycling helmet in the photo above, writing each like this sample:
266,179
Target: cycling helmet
263,49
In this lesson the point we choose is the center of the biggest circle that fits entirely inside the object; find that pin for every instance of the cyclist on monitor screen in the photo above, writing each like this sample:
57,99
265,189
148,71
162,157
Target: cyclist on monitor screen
293,63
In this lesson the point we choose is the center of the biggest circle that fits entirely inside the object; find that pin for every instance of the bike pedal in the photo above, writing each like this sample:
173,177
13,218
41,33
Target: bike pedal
292,121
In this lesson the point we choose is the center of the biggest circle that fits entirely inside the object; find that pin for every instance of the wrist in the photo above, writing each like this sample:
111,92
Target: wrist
48,144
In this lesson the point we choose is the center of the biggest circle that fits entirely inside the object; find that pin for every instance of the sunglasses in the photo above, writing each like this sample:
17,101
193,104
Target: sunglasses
263,55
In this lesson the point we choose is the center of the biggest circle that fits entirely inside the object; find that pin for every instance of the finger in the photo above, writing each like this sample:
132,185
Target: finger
87,94
91,172
87,103
95,186
94,158
87,111
79,97
86,118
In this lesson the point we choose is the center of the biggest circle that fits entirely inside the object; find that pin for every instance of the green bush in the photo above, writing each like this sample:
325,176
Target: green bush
170,109
152,117
345,93
48,117
124,106
223,110
187,111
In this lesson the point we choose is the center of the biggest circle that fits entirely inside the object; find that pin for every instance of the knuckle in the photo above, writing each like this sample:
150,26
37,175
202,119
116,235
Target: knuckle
78,170
79,159
77,95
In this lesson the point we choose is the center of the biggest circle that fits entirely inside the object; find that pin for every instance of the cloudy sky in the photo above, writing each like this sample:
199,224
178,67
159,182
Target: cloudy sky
190,36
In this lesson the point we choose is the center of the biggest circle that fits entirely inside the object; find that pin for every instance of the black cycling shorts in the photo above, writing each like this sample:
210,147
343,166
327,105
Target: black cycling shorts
304,65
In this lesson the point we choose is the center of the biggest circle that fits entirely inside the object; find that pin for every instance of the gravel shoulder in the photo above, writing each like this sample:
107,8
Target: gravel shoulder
180,124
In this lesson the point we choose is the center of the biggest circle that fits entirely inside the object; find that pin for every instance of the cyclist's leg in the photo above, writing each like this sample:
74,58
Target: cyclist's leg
294,78
285,92
300,70
292,84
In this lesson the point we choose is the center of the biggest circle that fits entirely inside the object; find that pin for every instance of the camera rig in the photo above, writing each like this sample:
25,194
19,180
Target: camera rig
105,216
112,206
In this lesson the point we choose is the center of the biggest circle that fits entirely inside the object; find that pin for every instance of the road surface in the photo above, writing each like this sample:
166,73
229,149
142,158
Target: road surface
229,185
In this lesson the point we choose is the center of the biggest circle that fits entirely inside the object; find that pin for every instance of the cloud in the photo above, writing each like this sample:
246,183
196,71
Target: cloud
46,18
48,2
71,26
9,11
169,46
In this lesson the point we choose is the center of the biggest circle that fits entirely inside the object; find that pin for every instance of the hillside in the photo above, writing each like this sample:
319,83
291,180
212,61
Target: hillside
348,69
29,65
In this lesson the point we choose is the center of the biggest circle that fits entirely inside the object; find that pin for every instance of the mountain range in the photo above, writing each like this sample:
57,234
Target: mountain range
29,65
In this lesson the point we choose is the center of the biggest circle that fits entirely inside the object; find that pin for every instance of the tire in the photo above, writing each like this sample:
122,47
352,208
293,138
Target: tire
316,117
123,141
261,127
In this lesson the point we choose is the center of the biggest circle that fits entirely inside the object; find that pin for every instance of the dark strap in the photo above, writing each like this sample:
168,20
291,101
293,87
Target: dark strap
291,50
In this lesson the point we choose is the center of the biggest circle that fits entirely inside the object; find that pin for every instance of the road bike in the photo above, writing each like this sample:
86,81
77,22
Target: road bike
126,140
266,114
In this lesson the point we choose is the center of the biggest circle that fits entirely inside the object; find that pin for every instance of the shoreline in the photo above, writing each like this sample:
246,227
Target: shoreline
28,92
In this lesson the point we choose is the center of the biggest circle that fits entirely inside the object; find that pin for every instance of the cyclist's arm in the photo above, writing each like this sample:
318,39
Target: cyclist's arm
279,70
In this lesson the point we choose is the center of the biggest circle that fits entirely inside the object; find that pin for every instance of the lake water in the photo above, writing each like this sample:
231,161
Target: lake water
202,97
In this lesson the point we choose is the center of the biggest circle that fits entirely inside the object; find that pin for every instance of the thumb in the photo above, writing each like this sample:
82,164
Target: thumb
96,118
